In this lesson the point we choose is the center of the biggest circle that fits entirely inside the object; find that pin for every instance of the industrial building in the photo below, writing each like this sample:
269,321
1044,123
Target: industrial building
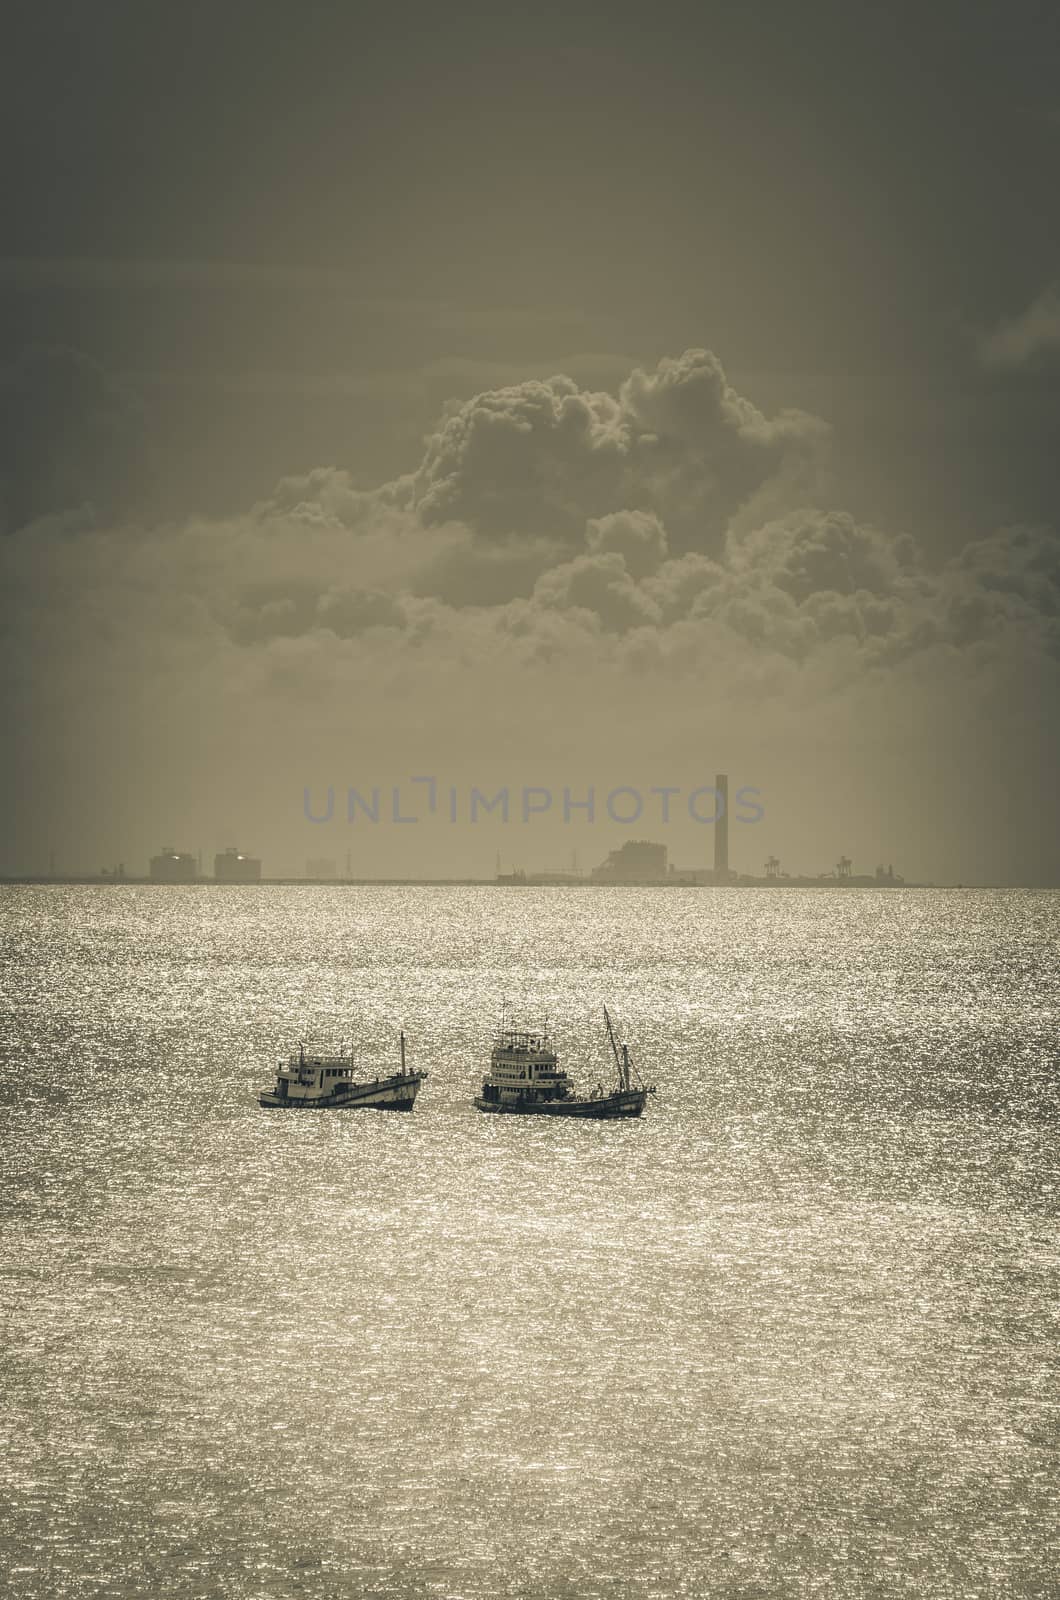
231,866
173,866
637,861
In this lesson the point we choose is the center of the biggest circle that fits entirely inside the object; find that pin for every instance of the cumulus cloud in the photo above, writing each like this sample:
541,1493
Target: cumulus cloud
637,536
601,587
559,556
533,459
811,552
541,458
1021,340
546,500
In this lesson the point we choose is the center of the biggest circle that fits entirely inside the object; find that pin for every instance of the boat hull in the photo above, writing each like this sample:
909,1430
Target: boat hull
381,1094
624,1103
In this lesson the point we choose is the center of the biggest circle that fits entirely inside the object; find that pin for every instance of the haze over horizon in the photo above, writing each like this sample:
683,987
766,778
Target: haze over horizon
555,400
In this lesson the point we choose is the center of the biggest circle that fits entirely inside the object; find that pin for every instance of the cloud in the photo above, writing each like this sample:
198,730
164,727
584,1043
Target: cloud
1008,581
683,587
514,524
637,536
1027,338
263,612
601,587
564,566
540,458
534,459
810,552
514,506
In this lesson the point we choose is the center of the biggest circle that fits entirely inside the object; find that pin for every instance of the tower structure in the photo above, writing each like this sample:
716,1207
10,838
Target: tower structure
721,829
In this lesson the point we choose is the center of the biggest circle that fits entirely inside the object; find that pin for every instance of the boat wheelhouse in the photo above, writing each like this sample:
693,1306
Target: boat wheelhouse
525,1078
313,1081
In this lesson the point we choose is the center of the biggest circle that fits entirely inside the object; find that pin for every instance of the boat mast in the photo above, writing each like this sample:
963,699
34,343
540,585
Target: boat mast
402,1053
623,1076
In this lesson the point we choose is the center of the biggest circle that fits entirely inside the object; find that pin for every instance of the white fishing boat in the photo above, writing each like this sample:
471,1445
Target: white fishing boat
313,1081
526,1079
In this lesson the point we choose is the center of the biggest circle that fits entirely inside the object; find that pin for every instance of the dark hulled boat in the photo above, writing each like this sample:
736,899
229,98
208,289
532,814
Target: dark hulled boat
526,1079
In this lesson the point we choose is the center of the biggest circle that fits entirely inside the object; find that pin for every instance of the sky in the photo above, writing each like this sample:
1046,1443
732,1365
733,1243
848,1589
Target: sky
563,399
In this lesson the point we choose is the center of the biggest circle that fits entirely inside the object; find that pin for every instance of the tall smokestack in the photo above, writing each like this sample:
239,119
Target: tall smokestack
721,829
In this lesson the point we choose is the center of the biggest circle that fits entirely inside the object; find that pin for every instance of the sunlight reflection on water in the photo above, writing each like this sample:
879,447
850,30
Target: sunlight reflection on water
791,1334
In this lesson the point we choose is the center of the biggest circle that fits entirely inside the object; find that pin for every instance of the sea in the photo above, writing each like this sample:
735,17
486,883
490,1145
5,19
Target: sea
792,1333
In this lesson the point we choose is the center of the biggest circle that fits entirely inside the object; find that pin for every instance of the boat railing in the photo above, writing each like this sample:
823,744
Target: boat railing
523,1041
299,1058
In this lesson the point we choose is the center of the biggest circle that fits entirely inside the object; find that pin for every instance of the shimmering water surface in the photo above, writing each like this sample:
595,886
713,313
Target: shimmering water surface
794,1333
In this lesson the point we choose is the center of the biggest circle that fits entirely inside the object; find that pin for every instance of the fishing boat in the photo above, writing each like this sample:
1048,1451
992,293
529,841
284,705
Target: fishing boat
311,1081
526,1079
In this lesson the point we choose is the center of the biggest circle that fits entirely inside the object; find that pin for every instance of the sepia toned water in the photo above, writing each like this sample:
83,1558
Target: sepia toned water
792,1334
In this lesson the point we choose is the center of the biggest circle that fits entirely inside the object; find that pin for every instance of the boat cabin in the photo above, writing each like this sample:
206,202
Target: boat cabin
309,1077
524,1066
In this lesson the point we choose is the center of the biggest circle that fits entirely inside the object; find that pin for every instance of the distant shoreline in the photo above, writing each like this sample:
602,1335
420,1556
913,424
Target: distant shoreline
86,881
